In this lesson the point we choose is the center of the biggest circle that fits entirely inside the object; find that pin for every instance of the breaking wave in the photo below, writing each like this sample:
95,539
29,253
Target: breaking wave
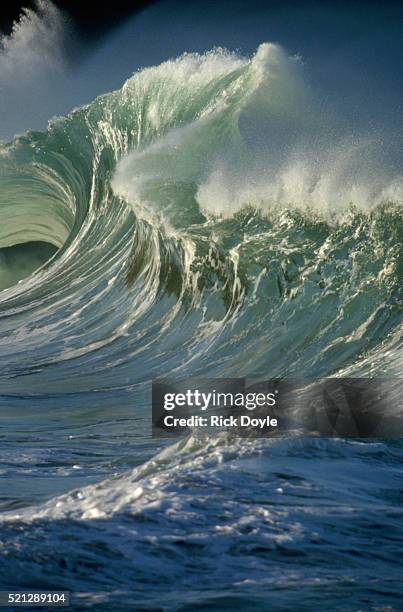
185,201
210,219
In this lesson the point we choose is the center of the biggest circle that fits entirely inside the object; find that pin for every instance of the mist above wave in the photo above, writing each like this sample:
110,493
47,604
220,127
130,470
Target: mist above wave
32,67
259,136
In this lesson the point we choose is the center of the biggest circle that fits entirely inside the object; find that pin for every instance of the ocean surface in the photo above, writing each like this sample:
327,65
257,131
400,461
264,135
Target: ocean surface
207,219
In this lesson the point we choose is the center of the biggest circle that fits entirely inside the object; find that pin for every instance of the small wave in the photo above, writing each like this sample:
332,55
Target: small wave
268,510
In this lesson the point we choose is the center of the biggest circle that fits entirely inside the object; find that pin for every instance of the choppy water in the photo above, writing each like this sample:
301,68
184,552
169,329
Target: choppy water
200,229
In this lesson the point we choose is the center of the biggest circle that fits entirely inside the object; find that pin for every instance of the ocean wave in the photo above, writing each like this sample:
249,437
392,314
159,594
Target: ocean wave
206,219
169,253
255,517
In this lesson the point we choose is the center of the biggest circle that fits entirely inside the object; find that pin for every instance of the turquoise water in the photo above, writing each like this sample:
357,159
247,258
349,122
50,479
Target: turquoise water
204,220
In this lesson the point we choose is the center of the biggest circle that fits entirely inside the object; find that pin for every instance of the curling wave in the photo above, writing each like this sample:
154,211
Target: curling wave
195,226
206,219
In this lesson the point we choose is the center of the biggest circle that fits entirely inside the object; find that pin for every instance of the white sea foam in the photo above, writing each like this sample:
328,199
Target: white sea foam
327,181
263,141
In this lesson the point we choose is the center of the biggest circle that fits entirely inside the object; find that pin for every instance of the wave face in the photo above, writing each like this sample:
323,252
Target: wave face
206,219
